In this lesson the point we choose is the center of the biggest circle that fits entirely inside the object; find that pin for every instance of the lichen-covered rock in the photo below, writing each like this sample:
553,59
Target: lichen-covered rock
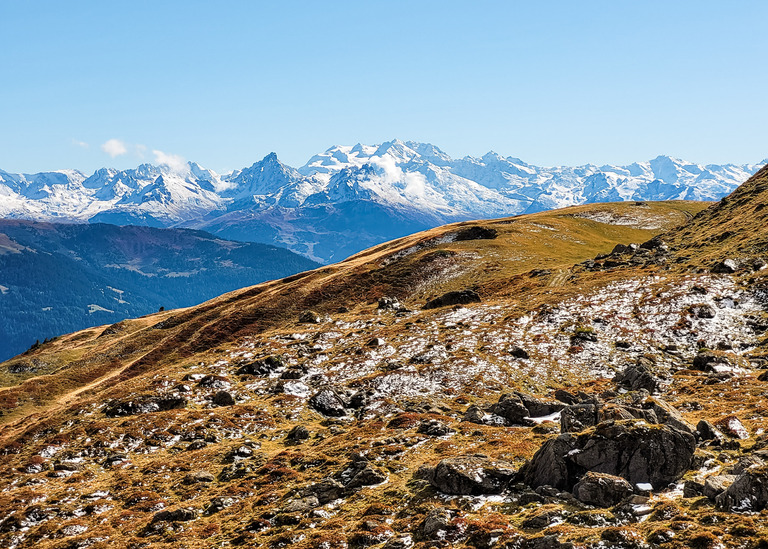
602,490
716,485
472,475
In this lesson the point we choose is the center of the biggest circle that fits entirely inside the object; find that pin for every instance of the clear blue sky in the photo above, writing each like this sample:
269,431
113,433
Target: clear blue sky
224,83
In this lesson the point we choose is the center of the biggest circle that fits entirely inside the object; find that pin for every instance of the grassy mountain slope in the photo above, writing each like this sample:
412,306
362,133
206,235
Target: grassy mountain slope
129,421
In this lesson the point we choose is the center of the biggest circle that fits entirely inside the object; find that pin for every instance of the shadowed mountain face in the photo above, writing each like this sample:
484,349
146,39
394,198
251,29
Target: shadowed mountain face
58,278
349,198
584,377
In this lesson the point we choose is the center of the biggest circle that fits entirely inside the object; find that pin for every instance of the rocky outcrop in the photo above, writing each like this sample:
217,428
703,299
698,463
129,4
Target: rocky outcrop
633,450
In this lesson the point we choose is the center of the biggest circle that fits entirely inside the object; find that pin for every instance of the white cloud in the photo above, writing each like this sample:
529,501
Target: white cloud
81,144
114,148
173,161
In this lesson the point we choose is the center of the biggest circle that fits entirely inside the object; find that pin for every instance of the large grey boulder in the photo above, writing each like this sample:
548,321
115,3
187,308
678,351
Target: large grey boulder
634,450
471,475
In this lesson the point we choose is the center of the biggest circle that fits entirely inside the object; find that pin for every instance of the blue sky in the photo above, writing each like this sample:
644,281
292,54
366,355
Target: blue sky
224,83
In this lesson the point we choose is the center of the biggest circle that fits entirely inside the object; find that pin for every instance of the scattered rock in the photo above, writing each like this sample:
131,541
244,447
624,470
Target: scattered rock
601,490
727,266
434,428
297,434
471,475
731,426
519,352
223,398
144,405
328,403
461,297
477,233
176,515
310,317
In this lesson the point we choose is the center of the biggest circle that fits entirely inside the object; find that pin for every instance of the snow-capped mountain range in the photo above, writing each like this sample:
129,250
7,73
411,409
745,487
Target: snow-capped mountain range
349,197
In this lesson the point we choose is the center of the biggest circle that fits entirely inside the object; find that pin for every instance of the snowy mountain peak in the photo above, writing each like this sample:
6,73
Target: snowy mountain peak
387,190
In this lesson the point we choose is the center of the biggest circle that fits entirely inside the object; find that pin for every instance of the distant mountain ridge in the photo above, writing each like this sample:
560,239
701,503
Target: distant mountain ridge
349,197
